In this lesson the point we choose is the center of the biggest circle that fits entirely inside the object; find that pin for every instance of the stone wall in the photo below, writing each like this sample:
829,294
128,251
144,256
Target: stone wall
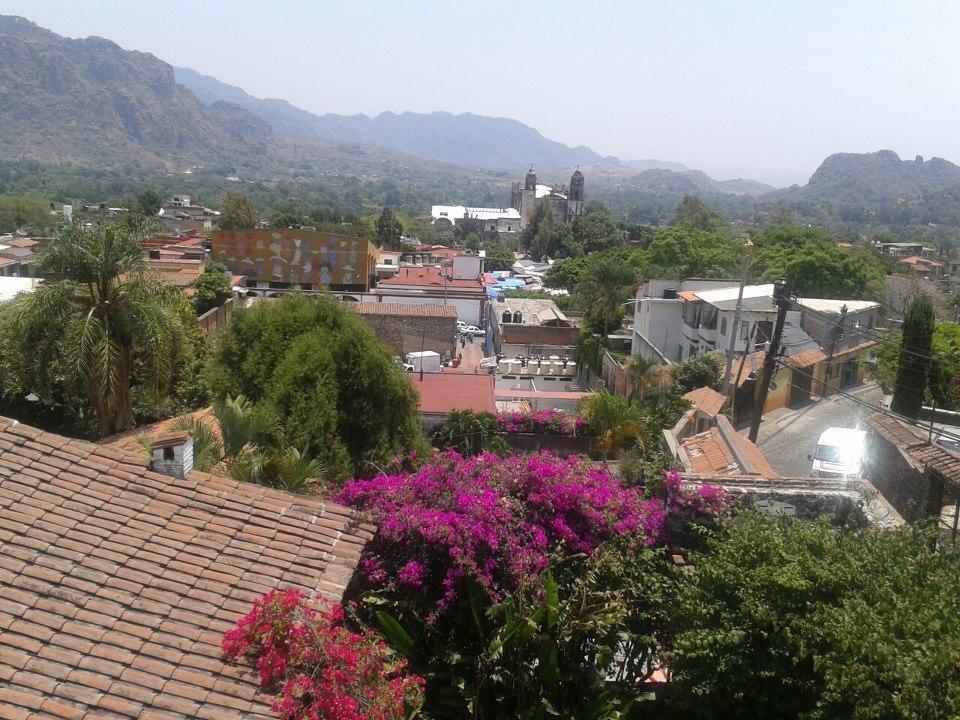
561,445
405,334
902,482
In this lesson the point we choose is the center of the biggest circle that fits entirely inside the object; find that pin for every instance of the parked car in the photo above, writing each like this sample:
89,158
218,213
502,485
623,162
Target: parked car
488,363
839,453
473,330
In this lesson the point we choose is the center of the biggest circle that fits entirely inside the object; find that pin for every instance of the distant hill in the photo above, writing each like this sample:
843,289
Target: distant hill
655,165
90,100
465,139
875,178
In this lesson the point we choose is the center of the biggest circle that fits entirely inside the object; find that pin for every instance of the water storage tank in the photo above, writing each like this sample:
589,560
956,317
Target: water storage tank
518,317
506,316
670,294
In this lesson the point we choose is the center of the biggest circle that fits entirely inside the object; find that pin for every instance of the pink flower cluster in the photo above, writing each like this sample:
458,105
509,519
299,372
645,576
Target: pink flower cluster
681,505
327,671
542,422
495,520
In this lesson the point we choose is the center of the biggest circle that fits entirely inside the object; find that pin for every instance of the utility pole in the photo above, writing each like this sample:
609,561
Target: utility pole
837,332
781,298
744,267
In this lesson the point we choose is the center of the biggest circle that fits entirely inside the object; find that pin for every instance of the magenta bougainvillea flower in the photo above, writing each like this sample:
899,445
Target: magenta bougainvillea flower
323,670
542,422
498,520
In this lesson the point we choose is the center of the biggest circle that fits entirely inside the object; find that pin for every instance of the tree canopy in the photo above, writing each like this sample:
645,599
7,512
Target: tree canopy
792,619
389,230
238,213
211,288
330,382
686,251
915,354
104,327
816,266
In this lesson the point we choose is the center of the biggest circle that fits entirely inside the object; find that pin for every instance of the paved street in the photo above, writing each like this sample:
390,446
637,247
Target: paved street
788,436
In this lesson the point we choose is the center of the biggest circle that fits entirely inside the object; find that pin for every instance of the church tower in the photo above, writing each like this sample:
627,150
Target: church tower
575,198
531,182
528,198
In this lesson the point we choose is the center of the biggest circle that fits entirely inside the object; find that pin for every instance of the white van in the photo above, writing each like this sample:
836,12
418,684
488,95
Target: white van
839,453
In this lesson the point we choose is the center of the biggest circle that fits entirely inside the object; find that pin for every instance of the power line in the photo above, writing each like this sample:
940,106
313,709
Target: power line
864,403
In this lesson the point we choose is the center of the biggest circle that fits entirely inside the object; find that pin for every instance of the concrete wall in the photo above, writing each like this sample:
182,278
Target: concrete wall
904,484
215,318
659,322
533,338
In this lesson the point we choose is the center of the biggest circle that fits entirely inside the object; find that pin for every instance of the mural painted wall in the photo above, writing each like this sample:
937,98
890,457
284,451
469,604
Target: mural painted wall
296,256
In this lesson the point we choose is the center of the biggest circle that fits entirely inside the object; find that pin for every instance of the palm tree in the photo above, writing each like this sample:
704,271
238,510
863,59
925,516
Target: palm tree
643,374
102,314
617,421
245,447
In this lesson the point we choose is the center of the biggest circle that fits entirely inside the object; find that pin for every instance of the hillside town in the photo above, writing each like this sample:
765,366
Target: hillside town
321,416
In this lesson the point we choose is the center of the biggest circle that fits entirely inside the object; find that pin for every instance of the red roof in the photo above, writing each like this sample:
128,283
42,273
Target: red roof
706,400
429,277
117,583
442,392
19,242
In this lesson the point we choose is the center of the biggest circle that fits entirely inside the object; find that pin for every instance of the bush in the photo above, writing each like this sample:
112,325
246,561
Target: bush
542,422
296,350
327,671
704,370
469,433
791,619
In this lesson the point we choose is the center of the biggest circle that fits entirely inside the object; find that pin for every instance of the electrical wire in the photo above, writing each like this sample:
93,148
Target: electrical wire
864,403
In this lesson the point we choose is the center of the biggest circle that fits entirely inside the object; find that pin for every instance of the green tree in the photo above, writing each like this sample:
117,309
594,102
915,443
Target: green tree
24,212
914,364
693,212
944,377
596,231
705,370
498,257
105,317
603,288
211,288
644,375
686,251
300,350
617,421
238,213
469,433
149,202
389,230
548,236
815,265
798,620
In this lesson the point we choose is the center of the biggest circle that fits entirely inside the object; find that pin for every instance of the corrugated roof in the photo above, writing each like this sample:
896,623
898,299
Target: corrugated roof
401,310
118,583
442,392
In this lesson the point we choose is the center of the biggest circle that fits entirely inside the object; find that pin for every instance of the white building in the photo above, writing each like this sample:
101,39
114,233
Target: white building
501,220
459,286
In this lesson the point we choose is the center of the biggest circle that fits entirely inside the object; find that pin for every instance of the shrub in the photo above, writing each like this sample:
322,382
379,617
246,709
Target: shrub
327,671
542,422
469,433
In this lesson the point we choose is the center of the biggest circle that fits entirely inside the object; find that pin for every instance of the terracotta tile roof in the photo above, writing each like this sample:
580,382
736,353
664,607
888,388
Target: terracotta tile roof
912,442
855,349
128,440
399,309
117,583
722,451
429,277
807,358
688,295
442,392
751,363
19,242
706,400
7,261
709,455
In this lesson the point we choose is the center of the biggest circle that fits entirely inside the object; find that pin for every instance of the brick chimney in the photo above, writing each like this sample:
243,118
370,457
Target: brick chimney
172,454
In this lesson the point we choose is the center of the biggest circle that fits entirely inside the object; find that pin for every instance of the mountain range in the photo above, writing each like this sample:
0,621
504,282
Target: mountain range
91,104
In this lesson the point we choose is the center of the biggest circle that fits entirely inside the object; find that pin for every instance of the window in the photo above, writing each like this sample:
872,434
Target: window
693,350
723,326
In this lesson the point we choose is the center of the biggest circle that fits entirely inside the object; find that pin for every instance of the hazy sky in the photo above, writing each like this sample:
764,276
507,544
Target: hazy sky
762,89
